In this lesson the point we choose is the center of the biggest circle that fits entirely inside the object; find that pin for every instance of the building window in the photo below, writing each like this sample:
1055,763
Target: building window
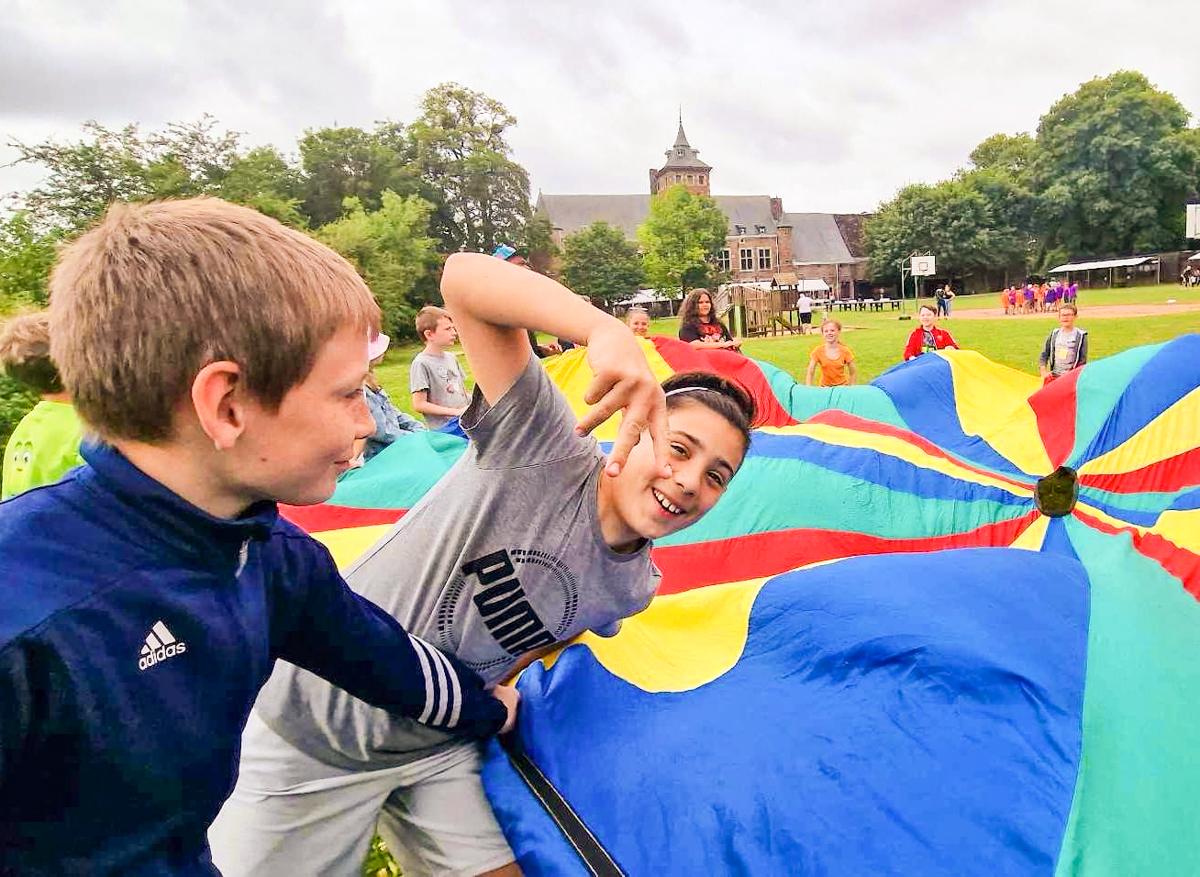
760,229
690,178
677,178
679,152
724,260
702,179
764,257
739,229
746,258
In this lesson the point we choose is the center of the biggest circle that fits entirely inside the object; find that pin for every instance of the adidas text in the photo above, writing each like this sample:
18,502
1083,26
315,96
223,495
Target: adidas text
161,655
160,645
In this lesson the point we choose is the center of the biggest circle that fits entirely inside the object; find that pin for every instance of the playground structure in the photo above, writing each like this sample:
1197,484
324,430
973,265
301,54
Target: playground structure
753,311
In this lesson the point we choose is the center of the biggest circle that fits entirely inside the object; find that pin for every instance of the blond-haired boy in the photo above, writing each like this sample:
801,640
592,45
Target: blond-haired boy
45,444
220,358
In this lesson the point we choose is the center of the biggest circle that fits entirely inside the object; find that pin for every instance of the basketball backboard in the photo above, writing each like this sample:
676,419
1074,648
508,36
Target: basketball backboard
923,266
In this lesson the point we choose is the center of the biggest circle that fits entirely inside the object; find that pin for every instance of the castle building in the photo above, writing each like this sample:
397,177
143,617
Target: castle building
764,244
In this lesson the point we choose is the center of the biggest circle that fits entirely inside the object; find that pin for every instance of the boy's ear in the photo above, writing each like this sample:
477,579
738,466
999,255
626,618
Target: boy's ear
219,406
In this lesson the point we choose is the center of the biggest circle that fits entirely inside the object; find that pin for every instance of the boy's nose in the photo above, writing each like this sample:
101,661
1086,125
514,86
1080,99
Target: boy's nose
364,424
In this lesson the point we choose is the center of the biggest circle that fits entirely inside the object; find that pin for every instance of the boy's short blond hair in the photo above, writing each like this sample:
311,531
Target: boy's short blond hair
428,317
25,353
155,292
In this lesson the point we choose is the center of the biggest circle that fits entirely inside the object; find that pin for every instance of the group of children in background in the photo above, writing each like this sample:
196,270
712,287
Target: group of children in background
1038,298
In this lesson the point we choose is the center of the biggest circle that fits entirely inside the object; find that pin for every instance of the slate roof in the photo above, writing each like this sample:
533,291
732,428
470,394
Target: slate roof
816,239
627,212
573,212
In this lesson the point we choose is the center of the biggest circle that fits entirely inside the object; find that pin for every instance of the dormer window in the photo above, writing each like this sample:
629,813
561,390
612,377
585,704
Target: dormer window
679,152
739,229
760,229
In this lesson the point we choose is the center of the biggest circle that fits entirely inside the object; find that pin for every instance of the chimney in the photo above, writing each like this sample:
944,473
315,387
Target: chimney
776,208
785,247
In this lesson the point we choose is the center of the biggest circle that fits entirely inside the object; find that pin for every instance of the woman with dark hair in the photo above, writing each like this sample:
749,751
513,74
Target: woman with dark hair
699,326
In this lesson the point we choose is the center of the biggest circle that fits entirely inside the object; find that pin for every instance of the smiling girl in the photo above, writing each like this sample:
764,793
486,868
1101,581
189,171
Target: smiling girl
835,359
700,326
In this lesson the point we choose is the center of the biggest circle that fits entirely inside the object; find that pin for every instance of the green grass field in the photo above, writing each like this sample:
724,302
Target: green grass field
877,338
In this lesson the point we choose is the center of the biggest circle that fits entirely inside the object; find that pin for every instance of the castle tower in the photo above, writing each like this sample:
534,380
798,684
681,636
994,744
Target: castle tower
683,167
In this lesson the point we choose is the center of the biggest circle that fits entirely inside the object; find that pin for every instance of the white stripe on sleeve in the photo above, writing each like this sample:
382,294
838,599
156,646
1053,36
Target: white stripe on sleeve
454,696
430,686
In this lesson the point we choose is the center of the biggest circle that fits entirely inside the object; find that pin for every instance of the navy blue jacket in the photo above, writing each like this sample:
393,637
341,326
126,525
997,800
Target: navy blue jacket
135,632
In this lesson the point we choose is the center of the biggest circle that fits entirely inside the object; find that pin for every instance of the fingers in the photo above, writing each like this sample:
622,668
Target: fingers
656,423
628,436
601,384
603,407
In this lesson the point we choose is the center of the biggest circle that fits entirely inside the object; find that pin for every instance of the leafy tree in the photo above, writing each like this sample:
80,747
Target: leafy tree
970,223
85,177
26,257
391,249
189,158
264,180
480,195
680,239
1114,166
341,163
598,262
183,159
1010,152
539,243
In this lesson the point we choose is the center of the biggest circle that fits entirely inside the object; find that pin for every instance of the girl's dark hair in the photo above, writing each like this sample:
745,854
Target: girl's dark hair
689,311
716,393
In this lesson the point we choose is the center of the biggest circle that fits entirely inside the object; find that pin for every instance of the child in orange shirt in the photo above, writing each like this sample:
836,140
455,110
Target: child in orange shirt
835,359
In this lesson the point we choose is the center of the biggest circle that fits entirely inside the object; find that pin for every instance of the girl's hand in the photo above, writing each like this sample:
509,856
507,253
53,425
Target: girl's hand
622,381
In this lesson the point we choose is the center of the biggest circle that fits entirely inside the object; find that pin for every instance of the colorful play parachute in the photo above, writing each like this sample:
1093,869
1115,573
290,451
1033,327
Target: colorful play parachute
828,686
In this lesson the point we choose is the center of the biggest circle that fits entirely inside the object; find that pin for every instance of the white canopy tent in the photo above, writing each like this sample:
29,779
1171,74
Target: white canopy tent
1111,265
1106,263
658,304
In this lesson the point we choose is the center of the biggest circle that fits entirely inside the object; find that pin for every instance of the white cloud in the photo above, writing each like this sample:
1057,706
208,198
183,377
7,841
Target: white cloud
833,104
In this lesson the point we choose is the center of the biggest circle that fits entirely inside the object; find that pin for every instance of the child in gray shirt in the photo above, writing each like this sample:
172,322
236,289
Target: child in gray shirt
435,379
532,538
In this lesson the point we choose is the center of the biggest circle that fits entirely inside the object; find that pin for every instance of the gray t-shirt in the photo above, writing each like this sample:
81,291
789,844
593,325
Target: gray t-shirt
503,556
1066,351
443,380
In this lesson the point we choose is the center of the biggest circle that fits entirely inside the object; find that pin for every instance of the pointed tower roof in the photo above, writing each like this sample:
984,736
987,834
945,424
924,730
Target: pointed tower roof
682,155
681,138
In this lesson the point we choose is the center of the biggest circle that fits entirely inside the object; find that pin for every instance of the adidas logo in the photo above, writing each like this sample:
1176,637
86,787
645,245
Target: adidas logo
160,645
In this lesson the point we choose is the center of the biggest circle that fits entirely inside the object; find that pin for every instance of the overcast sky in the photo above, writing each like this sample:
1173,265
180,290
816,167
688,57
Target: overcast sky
832,105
